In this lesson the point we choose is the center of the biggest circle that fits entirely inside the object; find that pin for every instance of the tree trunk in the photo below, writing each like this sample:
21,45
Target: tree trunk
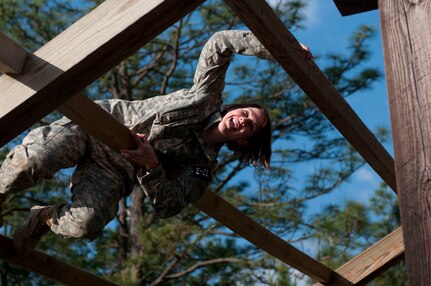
136,214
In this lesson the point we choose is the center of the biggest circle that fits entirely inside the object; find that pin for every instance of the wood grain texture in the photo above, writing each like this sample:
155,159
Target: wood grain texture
219,209
50,267
370,263
407,52
97,42
283,46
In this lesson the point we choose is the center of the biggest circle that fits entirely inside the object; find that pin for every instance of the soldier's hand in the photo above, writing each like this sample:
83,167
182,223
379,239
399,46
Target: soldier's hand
308,54
144,156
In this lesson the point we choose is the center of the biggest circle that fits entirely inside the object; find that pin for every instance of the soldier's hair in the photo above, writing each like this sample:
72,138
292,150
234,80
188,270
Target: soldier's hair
258,150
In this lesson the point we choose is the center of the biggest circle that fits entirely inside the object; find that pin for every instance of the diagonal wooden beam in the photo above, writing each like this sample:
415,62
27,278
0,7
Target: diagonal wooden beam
12,56
283,46
372,262
68,63
96,121
219,209
50,267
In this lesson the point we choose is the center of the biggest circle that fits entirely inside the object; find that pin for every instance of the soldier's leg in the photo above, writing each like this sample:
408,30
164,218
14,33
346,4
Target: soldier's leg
43,152
96,191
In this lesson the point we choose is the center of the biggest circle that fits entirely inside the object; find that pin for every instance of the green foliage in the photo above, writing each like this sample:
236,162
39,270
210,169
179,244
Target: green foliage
192,249
342,231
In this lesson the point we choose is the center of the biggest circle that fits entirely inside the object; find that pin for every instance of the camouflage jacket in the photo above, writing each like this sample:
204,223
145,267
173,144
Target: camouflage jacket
175,122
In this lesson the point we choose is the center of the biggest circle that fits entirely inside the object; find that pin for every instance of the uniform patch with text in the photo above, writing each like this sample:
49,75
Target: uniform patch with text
202,173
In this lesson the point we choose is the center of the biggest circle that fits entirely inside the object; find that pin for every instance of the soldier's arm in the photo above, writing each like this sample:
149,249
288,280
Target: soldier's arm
169,186
216,55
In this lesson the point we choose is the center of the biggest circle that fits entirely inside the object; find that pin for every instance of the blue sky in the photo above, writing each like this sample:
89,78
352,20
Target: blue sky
326,31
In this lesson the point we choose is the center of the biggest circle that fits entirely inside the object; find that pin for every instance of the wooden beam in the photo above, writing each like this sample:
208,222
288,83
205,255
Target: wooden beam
82,53
98,122
219,209
371,262
406,45
12,56
350,7
49,266
283,46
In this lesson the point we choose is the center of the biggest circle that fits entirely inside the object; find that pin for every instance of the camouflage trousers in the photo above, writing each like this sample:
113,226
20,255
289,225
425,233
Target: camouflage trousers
97,184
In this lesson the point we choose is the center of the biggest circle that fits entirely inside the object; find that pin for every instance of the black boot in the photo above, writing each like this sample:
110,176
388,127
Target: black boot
33,229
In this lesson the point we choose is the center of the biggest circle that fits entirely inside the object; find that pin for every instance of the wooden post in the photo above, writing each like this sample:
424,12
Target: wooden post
406,36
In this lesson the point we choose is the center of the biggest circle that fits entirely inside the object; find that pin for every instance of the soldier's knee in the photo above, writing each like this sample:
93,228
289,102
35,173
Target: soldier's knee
88,226
16,172
18,159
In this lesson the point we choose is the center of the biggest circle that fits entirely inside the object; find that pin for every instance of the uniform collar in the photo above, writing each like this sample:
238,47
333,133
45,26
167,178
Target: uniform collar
211,151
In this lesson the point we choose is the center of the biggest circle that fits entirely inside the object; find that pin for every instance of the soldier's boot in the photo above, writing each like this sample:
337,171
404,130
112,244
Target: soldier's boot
2,200
33,229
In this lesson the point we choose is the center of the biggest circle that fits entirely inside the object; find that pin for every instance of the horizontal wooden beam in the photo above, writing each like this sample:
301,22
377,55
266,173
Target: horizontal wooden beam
12,56
50,267
371,262
219,209
68,63
283,46
350,7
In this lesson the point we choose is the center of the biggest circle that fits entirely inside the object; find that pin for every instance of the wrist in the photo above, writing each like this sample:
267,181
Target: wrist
151,166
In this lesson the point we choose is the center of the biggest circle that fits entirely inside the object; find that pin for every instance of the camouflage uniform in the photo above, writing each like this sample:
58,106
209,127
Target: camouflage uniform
174,123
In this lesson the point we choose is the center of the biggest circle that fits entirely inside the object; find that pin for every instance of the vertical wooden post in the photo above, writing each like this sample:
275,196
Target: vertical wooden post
406,35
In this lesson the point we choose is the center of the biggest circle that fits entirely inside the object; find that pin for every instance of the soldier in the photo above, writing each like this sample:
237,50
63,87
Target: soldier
178,136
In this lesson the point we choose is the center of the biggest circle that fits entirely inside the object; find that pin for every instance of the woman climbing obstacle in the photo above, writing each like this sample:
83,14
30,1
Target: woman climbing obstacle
178,135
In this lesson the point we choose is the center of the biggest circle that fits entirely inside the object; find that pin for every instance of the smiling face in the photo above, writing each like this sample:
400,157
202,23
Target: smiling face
242,123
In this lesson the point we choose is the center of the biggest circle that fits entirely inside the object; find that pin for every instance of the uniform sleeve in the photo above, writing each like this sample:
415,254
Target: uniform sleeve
216,54
169,196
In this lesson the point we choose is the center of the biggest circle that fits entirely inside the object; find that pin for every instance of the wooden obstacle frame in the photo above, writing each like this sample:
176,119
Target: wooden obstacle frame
53,76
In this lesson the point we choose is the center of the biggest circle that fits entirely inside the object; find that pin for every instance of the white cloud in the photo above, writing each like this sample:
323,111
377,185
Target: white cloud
365,175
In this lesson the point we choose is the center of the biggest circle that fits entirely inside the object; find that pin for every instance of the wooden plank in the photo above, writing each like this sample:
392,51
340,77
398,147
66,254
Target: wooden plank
350,7
283,46
82,53
371,262
97,122
219,209
406,43
12,56
50,267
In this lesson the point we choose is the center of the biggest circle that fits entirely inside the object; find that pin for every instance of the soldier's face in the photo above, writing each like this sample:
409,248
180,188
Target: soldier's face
242,123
